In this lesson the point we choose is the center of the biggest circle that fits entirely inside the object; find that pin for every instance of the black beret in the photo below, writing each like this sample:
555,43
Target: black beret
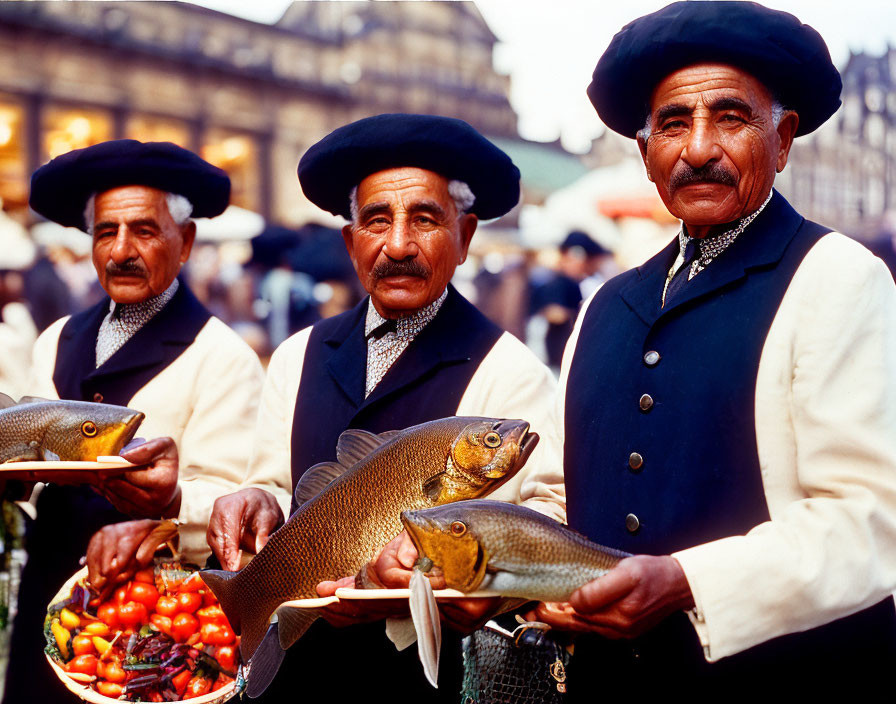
580,239
449,147
61,187
790,58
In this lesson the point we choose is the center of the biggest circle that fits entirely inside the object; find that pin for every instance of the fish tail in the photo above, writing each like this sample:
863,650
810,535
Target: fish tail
265,662
246,617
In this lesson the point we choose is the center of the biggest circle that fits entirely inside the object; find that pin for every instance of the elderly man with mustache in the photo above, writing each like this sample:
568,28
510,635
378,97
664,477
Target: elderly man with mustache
150,345
414,188
728,405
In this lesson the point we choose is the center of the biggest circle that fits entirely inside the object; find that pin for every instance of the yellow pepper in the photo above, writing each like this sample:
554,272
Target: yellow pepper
96,628
101,644
69,619
63,637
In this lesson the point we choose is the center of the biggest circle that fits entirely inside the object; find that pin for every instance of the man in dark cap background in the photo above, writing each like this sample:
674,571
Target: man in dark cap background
150,345
727,406
414,188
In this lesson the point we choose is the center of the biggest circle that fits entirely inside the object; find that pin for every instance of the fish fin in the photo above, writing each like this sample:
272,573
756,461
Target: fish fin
316,479
354,445
293,622
6,401
28,452
32,399
401,632
265,663
425,615
432,487
219,582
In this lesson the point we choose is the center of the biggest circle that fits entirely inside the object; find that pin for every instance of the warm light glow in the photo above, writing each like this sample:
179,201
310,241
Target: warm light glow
79,128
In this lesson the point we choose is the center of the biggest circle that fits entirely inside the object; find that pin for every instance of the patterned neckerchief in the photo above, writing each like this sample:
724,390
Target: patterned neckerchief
382,351
123,321
712,247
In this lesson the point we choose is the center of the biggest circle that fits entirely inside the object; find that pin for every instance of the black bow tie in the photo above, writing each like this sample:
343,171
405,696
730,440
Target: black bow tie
383,328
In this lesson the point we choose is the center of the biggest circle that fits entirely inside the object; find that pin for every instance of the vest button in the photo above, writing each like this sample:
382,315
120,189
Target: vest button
635,461
652,358
645,402
98,397
632,524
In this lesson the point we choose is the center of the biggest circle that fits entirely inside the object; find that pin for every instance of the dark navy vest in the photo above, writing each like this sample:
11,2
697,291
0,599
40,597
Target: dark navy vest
68,516
426,382
660,451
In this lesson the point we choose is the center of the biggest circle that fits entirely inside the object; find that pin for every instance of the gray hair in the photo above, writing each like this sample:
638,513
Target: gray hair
778,111
179,208
459,191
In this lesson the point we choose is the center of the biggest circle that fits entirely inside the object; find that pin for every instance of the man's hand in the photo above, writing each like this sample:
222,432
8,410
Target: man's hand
392,569
147,493
117,551
630,599
242,520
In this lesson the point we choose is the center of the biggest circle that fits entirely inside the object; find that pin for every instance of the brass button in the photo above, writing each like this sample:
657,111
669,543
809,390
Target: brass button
645,402
632,524
98,397
635,461
652,358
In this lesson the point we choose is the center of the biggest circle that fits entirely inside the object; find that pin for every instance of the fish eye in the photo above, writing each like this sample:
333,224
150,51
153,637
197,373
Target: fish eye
458,528
88,428
492,439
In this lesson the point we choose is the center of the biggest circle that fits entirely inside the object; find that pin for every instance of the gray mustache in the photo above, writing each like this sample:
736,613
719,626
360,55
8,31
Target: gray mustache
712,173
410,267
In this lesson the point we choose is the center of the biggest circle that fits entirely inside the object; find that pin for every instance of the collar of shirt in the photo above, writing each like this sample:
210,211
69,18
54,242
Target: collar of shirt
383,351
124,320
712,247
406,327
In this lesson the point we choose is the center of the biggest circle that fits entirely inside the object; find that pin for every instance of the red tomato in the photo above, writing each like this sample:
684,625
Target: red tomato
114,672
85,664
109,689
132,614
208,597
197,687
121,594
166,605
147,575
212,614
226,657
146,594
163,623
193,583
188,602
222,681
183,626
108,614
216,634
180,681
83,645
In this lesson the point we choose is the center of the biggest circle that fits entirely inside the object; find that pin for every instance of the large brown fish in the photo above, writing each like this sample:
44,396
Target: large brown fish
338,529
492,548
37,429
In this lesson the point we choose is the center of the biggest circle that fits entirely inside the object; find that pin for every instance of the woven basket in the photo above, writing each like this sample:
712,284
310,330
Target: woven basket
84,692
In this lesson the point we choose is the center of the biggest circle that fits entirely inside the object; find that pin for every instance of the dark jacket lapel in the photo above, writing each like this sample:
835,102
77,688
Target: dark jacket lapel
76,350
441,343
349,346
762,244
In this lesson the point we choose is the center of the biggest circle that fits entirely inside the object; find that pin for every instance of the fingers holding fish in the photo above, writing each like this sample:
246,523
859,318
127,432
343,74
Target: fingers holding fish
466,615
152,491
633,597
242,520
349,612
392,568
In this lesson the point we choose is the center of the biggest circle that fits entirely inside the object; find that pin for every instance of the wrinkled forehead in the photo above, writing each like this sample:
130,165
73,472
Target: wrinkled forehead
708,83
126,201
406,185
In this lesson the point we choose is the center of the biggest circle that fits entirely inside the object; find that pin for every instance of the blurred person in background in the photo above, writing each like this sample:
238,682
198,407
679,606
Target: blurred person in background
149,345
17,329
413,188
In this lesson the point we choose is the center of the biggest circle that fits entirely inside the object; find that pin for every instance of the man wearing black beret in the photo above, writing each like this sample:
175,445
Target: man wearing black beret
727,406
150,345
413,188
